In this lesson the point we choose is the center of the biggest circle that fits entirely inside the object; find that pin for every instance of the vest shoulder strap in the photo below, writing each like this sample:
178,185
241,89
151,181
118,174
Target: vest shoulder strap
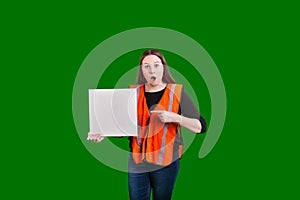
134,86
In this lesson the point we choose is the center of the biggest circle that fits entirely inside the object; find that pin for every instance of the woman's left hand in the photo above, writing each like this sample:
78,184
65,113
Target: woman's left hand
166,116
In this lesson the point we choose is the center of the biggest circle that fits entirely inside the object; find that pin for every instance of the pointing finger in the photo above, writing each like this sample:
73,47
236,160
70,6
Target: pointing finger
157,111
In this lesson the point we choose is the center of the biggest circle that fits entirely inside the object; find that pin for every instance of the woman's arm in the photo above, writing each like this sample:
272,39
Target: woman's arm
193,125
188,115
189,110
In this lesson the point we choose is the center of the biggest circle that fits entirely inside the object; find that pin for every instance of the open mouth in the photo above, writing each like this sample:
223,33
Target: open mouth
153,78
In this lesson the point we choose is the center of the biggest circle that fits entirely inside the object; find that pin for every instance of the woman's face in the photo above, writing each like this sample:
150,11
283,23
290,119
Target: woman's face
152,69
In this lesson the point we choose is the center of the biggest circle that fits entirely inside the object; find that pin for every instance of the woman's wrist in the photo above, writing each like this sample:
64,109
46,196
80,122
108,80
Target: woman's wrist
178,119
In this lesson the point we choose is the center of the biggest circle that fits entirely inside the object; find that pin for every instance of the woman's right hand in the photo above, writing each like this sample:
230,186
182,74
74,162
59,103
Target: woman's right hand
95,137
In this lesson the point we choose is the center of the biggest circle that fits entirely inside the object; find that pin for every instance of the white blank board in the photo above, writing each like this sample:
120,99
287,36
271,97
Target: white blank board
113,112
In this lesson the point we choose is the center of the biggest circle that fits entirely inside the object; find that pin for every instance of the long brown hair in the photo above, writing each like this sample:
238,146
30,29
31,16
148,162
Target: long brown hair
167,78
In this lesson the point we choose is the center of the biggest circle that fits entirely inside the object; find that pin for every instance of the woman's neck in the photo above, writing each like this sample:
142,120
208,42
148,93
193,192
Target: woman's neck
154,88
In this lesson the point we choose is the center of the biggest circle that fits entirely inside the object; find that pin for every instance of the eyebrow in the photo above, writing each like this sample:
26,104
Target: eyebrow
154,62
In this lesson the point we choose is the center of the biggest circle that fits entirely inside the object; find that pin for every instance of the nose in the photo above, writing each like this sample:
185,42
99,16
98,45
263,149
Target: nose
151,69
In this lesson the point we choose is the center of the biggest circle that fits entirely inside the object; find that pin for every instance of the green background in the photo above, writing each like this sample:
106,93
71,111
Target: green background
254,44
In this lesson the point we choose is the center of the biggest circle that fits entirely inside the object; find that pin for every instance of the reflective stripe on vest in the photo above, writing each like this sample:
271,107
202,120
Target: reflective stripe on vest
157,142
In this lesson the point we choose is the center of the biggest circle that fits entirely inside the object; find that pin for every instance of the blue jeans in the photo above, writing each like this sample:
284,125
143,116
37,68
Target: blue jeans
142,178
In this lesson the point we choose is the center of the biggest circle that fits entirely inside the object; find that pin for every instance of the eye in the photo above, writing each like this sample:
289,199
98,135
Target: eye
157,65
146,66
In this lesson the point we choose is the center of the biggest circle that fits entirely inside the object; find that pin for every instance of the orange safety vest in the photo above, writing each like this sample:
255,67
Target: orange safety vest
158,143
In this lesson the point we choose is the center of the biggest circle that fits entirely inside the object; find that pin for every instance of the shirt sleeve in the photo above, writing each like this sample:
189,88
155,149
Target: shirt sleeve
188,109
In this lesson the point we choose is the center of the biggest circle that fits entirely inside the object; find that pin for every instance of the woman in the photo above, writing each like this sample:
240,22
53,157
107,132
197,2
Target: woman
163,107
